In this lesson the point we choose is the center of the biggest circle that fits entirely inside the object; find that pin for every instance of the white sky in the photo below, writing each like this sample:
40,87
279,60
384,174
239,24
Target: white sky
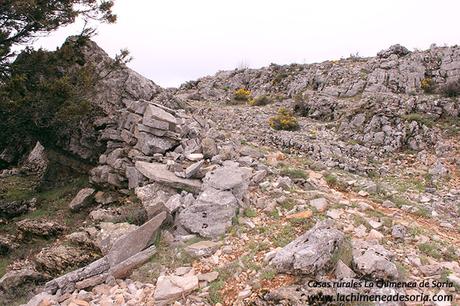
173,41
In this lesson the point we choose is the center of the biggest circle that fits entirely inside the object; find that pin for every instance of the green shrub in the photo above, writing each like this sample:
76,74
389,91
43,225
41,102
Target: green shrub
260,101
419,118
300,106
451,89
430,249
48,94
284,120
294,173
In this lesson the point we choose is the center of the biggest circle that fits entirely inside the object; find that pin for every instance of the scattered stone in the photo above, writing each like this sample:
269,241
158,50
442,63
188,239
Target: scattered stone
193,169
342,271
208,277
398,231
320,204
171,288
82,199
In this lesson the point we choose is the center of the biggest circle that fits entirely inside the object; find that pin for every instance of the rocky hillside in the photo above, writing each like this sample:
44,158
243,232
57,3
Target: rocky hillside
193,196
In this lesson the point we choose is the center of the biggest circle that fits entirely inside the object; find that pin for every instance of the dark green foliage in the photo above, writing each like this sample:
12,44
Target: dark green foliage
46,93
451,89
22,20
300,106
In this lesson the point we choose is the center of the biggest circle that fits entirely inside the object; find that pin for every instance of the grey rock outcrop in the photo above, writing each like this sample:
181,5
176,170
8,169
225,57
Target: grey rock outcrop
373,260
312,253
37,161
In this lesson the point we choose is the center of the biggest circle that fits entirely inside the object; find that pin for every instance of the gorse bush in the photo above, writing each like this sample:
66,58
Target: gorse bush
242,95
284,120
427,85
260,101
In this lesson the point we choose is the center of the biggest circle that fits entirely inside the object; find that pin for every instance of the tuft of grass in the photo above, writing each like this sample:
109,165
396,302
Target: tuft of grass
427,85
242,95
360,220
268,274
334,182
430,249
17,188
214,291
250,212
294,173
216,286
344,253
285,236
260,101
419,118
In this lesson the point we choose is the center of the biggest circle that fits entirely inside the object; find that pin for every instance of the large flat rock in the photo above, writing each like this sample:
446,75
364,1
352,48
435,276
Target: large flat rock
211,214
135,241
160,174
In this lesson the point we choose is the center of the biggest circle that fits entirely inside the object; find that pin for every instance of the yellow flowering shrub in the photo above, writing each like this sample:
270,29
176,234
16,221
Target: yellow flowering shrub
242,95
427,85
284,120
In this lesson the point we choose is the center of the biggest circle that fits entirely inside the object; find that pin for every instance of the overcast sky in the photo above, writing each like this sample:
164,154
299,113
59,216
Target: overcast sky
173,41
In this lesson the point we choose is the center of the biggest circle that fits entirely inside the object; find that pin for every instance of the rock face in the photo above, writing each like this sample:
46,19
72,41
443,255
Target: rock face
311,253
37,161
